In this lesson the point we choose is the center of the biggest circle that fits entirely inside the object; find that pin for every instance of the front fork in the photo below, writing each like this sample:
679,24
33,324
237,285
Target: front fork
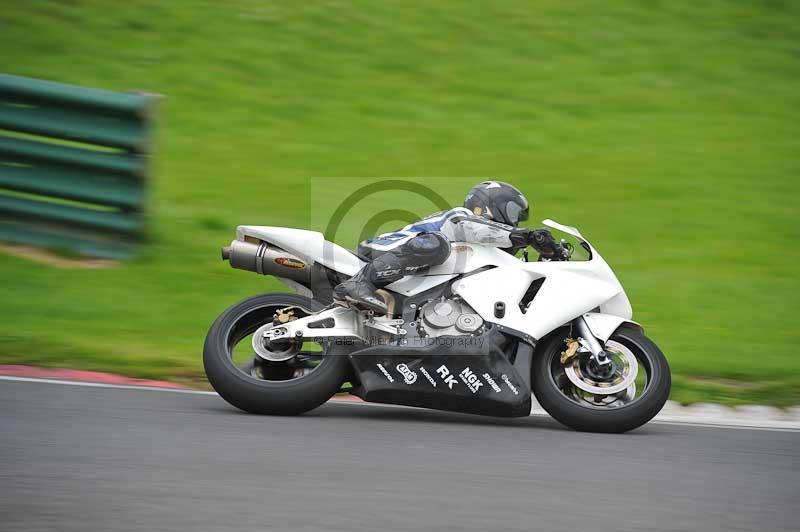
589,343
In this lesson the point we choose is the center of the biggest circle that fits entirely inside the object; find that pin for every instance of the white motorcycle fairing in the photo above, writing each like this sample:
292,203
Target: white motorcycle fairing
570,289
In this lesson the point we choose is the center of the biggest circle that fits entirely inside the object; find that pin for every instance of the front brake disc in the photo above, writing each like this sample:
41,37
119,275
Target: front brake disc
629,372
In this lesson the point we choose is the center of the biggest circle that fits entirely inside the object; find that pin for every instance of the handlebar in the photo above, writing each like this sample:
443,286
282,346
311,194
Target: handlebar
543,242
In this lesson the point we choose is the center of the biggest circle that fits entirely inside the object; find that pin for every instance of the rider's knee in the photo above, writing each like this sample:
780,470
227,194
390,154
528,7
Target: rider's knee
432,248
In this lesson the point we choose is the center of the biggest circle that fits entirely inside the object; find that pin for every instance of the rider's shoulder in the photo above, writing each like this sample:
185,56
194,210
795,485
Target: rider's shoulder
448,213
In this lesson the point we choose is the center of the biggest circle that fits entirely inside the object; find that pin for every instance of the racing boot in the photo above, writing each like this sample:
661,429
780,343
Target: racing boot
360,290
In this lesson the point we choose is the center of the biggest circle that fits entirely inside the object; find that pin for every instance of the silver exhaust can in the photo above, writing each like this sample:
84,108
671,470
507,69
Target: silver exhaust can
265,259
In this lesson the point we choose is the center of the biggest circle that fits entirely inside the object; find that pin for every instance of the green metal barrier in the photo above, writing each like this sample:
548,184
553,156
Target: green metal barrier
73,166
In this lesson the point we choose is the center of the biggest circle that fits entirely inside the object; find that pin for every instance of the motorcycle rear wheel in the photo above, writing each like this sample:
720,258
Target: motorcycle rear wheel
273,391
561,401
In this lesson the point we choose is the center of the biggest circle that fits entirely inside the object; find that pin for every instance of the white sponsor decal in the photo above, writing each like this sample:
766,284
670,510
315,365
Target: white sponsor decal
386,373
510,385
427,376
408,376
488,378
472,381
447,377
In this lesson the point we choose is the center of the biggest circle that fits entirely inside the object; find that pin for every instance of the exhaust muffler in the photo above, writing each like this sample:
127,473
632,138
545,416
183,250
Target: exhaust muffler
260,257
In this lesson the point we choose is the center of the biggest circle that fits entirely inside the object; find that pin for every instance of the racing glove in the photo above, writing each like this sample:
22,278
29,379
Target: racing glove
520,237
541,240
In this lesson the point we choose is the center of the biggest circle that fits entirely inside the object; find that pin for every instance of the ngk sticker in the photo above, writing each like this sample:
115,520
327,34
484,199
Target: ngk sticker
447,377
408,376
469,378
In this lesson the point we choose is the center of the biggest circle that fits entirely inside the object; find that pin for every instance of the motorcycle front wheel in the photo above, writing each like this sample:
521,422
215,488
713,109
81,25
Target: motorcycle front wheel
575,393
305,381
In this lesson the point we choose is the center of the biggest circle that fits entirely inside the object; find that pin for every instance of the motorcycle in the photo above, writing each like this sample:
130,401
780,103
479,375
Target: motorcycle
477,334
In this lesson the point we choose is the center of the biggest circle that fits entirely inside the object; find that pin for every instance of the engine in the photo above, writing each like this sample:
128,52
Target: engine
451,317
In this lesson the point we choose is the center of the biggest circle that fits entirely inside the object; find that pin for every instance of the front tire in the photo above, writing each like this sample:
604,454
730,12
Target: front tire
242,388
558,398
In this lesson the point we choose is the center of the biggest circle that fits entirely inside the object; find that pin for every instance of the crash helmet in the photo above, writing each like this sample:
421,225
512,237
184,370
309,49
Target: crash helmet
498,201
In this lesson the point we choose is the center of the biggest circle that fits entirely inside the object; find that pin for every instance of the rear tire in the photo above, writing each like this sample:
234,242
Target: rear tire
619,419
258,396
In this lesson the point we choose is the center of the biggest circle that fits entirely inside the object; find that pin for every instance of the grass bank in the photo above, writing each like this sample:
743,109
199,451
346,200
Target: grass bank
669,132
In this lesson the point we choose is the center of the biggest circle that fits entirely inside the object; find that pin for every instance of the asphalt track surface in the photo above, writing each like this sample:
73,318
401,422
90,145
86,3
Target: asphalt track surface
88,458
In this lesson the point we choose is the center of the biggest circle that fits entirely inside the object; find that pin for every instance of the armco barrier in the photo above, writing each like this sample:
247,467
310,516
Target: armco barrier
73,166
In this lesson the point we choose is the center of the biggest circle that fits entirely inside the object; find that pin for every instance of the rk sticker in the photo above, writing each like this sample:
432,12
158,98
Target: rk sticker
447,376
290,263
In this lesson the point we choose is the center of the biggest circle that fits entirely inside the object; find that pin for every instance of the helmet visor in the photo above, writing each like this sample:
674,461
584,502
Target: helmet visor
516,213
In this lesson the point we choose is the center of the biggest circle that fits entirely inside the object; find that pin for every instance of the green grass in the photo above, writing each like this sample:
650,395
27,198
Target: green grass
669,132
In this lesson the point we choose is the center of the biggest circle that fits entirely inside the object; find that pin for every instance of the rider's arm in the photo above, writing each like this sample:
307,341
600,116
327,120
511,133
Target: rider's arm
478,230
